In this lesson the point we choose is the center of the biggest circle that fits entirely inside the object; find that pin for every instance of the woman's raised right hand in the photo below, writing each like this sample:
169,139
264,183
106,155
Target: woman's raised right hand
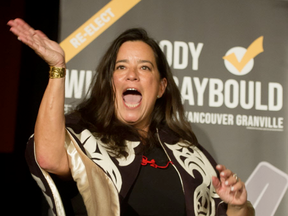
48,50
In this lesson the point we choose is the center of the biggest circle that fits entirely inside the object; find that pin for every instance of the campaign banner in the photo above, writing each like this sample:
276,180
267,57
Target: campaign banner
230,62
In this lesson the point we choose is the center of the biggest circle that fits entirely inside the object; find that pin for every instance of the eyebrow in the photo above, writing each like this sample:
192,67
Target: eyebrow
146,61
139,61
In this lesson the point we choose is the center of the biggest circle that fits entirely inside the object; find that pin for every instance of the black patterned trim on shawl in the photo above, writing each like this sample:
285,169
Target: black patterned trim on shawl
38,176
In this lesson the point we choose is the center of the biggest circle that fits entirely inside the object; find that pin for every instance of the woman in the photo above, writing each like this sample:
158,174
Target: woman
133,118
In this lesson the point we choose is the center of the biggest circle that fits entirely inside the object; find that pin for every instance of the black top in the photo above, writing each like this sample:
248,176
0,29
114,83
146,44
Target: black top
156,191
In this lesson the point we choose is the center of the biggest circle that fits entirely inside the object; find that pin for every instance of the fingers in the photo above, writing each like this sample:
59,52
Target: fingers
21,28
216,183
26,33
26,28
228,178
229,187
239,186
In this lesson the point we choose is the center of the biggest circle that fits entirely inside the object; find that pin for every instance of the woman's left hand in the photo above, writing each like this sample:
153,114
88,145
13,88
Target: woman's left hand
230,188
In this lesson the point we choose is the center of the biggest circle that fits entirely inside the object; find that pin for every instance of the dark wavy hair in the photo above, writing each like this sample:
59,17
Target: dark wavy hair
97,111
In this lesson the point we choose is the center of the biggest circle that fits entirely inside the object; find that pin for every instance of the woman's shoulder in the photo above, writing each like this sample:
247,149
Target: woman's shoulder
170,137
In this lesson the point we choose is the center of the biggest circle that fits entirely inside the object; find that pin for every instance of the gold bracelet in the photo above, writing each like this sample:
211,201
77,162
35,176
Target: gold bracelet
57,72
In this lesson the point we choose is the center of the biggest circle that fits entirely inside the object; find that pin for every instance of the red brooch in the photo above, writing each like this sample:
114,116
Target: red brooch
152,163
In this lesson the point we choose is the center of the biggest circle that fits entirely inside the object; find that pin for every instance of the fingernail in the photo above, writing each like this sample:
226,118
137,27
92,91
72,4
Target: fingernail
19,39
232,188
226,182
222,173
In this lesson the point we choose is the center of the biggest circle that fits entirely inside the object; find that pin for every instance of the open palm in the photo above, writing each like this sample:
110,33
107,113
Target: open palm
48,50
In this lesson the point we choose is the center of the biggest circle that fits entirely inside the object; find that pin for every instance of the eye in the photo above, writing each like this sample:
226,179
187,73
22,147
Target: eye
145,68
120,67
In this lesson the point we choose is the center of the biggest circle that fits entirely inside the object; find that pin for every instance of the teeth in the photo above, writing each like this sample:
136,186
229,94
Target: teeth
131,89
132,105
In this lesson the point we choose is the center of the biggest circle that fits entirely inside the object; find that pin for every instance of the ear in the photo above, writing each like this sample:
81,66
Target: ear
162,87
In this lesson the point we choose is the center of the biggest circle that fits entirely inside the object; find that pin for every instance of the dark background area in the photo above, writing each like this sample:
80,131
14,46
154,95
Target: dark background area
24,77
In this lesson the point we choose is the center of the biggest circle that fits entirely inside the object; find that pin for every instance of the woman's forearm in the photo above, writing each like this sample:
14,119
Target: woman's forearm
50,129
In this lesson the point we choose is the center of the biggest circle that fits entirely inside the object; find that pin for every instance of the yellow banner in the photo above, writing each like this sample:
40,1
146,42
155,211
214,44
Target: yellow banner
93,27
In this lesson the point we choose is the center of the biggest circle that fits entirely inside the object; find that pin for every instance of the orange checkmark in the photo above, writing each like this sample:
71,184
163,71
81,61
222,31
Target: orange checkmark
252,51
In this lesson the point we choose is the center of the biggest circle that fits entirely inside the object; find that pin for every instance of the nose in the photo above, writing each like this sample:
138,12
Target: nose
132,74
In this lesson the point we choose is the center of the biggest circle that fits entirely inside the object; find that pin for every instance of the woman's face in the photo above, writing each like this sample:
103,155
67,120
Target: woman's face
137,84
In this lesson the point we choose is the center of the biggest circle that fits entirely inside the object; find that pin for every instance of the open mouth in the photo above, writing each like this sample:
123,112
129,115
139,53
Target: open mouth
132,97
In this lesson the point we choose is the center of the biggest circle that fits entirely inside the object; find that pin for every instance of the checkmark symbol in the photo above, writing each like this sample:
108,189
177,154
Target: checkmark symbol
255,48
